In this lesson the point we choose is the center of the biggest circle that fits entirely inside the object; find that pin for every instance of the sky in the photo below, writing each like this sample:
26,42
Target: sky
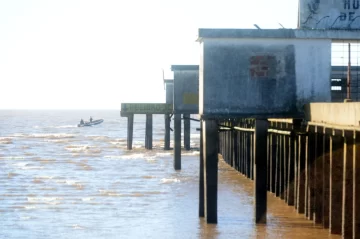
95,54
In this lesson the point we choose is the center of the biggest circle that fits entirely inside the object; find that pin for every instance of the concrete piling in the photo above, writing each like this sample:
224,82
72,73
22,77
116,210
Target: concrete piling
347,194
177,141
201,175
356,187
130,129
260,170
167,132
186,118
336,180
326,177
149,131
210,142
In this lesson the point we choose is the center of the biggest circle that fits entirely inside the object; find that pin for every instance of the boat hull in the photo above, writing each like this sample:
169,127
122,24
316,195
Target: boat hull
88,123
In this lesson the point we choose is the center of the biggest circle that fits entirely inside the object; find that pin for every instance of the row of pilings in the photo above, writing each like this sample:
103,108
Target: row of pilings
313,167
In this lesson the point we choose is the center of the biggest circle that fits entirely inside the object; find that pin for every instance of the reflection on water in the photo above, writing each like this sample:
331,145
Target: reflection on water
59,181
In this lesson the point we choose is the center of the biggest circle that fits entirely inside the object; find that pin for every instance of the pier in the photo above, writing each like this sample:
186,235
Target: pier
266,102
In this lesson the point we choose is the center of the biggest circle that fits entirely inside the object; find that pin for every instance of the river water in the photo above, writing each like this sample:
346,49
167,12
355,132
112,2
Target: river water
61,181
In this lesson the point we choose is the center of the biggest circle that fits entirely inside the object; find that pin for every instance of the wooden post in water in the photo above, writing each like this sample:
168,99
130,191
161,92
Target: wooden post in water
356,188
326,177
318,218
300,191
201,175
336,178
148,131
347,207
260,170
177,141
167,132
210,143
130,128
186,131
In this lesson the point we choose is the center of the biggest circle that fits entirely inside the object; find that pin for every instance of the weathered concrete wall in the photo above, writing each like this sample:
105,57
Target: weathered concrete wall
334,113
329,14
186,89
169,88
263,77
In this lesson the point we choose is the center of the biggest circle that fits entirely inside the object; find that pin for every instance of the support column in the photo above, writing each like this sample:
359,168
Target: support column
272,165
148,133
260,170
210,140
326,177
130,129
177,141
336,178
347,196
318,169
301,176
291,172
356,188
186,131
167,132
201,175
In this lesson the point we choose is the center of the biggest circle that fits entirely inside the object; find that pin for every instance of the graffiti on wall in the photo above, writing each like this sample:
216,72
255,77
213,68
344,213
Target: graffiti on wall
324,14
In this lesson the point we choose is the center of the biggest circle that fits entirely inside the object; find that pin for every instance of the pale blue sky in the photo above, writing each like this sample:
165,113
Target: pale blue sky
59,54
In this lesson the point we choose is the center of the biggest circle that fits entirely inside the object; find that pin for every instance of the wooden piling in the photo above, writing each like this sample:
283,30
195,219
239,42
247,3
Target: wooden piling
318,169
167,132
326,177
210,138
291,171
336,178
130,130
272,162
356,188
260,170
177,141
149,131
186,131
300,191
347,196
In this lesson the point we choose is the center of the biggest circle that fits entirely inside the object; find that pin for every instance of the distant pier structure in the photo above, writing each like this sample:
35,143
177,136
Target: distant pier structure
186,102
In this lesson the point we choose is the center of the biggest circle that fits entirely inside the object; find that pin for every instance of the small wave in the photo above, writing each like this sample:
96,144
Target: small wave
72,183
109,193
163,154
12,157
83,148
11,175
133,156
50,136
87,199
77,227
190,153
65,126
170,180
4,140
45,200
113,156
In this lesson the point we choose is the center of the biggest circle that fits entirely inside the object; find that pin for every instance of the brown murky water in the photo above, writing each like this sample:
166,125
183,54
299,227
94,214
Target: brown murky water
60,181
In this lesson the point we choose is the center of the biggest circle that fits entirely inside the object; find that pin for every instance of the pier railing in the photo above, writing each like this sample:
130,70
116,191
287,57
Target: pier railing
311,166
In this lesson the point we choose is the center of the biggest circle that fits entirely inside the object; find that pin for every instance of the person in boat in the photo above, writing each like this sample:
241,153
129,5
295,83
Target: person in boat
81,121
90,119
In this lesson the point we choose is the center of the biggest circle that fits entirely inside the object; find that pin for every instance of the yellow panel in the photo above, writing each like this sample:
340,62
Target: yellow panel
190,99
146,108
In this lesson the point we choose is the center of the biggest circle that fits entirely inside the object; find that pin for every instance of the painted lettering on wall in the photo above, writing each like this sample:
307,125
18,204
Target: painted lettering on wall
349,5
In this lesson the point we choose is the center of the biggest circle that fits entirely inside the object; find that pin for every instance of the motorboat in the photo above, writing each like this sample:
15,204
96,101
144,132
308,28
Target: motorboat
90,123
